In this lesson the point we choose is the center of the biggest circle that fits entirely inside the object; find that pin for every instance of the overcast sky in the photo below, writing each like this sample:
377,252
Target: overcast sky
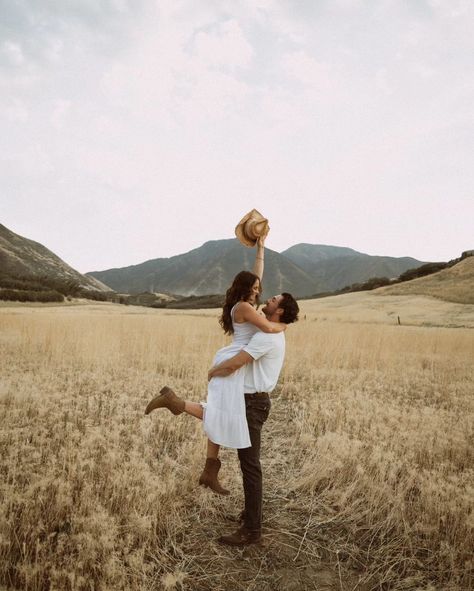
133,129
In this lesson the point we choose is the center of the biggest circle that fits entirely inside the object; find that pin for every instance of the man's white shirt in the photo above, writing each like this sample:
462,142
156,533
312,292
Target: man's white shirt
268,352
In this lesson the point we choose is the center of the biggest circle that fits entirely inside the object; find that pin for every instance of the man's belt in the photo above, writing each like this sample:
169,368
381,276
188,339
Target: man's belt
256,395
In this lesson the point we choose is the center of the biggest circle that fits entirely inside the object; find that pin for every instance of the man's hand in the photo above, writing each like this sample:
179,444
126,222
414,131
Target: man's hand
220,372
226,368
210,375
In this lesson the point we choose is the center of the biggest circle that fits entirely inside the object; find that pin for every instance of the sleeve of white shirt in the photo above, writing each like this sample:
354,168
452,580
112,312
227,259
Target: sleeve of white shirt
258,345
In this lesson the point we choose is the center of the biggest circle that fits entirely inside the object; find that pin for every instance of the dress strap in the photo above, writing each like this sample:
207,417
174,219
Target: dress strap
233,310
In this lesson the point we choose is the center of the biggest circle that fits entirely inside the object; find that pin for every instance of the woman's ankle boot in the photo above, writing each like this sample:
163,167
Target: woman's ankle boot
208,477
166,399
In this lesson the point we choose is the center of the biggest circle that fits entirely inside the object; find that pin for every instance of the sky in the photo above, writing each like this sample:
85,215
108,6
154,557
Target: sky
138,129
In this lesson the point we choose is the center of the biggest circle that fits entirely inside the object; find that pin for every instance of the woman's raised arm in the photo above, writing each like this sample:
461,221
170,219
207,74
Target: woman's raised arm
258,266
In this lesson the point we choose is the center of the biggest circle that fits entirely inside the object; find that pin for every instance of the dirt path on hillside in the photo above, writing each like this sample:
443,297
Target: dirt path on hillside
293,555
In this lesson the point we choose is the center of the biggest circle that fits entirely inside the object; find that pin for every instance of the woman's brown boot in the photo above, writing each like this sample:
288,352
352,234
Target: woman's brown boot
166,399
208,477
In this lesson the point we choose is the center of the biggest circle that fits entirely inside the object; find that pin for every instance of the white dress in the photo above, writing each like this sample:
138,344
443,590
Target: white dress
225,421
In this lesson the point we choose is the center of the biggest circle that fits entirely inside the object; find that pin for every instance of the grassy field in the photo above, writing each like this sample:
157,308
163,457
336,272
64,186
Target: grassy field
368,452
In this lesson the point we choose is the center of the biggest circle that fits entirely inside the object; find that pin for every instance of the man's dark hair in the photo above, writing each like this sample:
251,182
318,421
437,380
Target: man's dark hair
290,308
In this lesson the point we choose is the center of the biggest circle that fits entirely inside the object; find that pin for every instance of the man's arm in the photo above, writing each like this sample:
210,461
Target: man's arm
227,367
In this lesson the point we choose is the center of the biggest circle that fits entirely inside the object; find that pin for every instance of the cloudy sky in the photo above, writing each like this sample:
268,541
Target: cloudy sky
136,129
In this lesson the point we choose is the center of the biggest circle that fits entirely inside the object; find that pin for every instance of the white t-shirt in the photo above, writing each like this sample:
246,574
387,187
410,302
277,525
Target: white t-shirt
268,352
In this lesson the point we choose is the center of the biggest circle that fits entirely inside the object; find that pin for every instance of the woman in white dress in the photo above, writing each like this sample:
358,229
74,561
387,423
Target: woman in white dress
223,415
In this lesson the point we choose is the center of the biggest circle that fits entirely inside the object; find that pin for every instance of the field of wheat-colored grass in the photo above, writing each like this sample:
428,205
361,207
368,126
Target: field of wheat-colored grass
367,454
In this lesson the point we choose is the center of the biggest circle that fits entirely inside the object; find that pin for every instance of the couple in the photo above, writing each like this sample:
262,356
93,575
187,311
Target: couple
242,376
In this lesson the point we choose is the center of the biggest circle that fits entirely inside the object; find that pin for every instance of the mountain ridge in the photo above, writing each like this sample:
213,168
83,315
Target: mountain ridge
303,269
208,269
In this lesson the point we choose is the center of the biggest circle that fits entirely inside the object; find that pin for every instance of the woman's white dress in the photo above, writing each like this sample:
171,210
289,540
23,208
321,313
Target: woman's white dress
225,421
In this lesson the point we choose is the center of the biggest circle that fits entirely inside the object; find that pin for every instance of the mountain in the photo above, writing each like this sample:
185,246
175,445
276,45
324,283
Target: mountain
307,256
20,256
303,269
208,269
453,284
335,267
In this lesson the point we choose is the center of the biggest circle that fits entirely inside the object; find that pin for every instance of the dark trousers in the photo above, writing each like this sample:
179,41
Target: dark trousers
257,409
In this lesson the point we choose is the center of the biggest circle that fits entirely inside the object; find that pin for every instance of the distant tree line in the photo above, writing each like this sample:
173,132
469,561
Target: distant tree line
424,270
152,300
42,288
23,295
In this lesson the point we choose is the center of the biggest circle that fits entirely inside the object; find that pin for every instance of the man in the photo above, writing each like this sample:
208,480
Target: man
263,358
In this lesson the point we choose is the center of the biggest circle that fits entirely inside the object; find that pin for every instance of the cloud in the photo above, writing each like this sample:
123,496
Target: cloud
13,53
40,32
307,70
129,114
225,46
16,112
61,109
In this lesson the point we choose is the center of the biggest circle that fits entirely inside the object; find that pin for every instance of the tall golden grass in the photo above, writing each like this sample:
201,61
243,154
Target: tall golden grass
368,456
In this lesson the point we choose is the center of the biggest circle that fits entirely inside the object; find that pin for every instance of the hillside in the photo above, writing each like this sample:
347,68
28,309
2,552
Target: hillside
20,256
454,284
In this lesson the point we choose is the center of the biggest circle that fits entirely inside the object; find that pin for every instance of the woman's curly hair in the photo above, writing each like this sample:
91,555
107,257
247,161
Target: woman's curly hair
240,289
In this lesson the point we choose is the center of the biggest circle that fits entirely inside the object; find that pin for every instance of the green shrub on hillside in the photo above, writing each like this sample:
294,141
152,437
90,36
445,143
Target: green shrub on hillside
23,288
8,282
39,283
98,296
22,295
422,271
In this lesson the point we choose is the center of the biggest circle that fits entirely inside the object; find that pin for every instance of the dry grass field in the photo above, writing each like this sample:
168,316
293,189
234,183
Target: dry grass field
368,452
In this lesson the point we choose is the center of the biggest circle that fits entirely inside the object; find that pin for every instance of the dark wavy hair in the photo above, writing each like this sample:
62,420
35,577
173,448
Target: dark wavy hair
240,289
290,308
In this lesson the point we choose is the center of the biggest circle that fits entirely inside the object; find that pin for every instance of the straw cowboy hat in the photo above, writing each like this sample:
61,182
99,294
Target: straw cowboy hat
251,227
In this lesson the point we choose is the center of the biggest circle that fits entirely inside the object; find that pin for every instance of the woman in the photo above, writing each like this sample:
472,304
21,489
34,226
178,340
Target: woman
223,414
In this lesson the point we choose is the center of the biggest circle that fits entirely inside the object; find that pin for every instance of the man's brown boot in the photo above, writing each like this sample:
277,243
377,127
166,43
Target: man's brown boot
241,537
208,477
166,399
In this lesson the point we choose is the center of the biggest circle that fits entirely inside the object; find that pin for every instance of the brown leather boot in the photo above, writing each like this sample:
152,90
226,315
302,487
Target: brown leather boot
208,477
241,537
166,399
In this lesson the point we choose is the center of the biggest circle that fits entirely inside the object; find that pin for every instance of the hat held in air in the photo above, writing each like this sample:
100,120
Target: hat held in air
251,227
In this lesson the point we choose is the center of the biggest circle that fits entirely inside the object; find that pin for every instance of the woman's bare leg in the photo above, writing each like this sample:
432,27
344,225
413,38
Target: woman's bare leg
212,466
194,409
212,449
